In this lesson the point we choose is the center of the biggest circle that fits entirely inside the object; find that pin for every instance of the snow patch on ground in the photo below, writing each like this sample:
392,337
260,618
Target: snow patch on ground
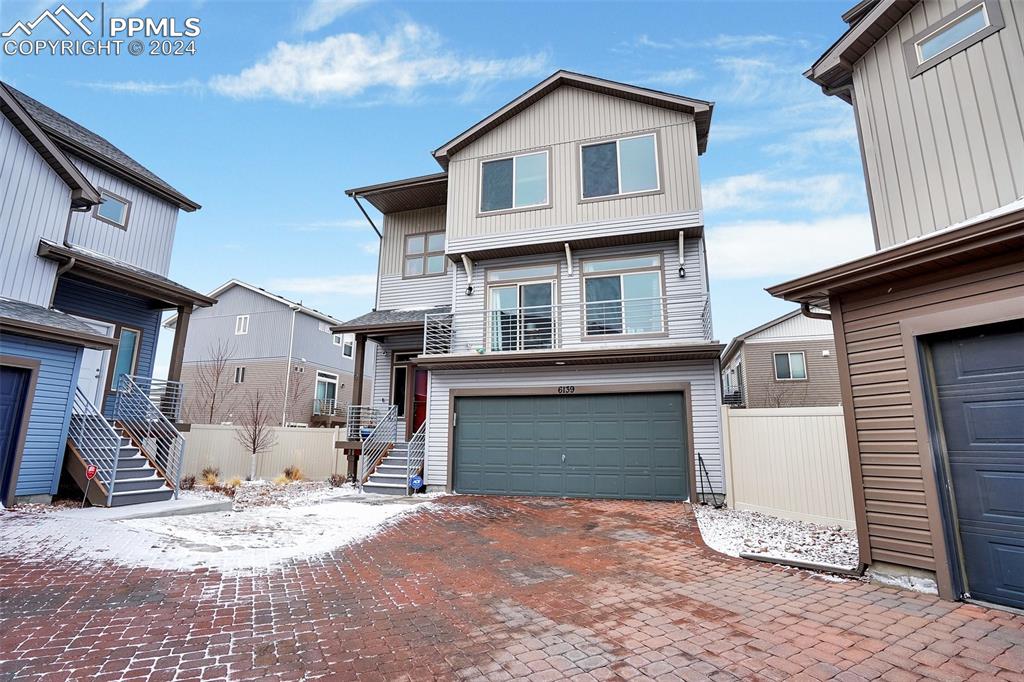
905,582
732,531
247,541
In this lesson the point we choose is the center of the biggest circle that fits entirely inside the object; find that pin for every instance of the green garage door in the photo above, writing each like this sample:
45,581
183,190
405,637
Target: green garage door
618,446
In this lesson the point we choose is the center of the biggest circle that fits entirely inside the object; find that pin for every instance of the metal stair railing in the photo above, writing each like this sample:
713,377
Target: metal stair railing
377,444
416,451
362,419
95,439
149,428
165,394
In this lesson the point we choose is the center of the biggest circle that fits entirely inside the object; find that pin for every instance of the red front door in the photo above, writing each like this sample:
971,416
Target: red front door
419,400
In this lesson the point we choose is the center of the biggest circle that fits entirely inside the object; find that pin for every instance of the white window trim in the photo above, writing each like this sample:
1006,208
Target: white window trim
329,377
618,167
775,368
515,166
241,325
337,339
348,348
240,375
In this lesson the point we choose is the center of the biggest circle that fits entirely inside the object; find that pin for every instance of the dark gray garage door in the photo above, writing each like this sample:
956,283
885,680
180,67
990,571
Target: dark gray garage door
621,446
979,379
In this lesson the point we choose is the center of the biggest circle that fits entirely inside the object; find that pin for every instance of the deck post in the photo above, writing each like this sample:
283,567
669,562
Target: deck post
178,349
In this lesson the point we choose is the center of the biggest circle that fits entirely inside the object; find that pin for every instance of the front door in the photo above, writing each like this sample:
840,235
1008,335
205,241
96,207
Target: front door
13,393
418,397
92,375
978,379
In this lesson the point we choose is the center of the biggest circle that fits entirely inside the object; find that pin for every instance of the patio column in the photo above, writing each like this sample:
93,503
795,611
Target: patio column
178,349
358,361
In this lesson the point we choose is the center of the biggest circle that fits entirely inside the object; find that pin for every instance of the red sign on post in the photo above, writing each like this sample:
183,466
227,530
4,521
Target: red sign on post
90,472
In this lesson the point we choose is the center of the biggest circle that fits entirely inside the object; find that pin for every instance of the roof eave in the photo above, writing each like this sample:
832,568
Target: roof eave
77,338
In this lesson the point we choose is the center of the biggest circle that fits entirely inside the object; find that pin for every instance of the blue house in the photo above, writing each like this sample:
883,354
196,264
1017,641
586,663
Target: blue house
85,246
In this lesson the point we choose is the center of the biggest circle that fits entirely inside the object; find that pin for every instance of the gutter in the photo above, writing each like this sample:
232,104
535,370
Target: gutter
288,367
805,310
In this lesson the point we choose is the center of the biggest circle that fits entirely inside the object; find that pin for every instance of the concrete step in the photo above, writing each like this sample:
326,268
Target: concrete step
385,488
123,498
152,482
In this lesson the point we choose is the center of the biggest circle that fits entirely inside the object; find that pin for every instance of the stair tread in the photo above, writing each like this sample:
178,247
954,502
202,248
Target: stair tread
371,484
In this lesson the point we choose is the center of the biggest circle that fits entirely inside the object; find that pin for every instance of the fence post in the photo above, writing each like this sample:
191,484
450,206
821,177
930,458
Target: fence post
727,473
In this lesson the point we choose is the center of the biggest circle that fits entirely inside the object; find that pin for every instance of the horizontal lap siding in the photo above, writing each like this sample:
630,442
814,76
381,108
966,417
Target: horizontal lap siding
702,375
48,422
888,442
820,389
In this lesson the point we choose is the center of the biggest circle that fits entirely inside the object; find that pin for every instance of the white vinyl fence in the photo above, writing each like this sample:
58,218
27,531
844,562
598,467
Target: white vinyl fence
312,450
789,462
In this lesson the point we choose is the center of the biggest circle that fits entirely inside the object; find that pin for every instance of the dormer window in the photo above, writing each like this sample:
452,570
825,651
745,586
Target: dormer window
514,182
952,34
112,209
628,165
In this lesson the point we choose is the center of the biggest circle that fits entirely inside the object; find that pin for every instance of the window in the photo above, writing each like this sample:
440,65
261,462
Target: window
112,209
239,375
424,254
298,369
617,167
952,34
347,348
324,400
398,378
520,307
127,355
336,339
623,296
516,182
790,366
241,325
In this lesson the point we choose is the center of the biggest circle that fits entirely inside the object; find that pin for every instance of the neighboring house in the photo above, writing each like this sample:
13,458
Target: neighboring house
87,238
788,362
930,328
255,341
542,309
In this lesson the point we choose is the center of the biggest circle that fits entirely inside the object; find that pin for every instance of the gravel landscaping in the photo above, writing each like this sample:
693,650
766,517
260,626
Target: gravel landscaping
733,531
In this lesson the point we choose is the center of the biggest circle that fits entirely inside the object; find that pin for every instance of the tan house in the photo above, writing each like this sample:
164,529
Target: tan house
788,362
542,317
930,328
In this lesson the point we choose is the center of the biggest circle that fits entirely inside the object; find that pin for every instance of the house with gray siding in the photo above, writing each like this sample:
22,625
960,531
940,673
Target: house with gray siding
929,329
85,246
542,320
253,341
787,362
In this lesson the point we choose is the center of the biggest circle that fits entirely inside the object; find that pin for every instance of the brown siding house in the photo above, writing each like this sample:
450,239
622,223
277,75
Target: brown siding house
930,331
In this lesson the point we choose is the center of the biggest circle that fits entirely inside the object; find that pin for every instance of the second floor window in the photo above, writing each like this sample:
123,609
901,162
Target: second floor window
239,375
241,325
952,34
424,254
346,349
616,167
790,366
623,296
112,209
516,182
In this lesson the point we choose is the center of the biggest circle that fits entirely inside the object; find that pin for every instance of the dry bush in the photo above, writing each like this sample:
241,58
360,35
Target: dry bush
187,482
234,482
282,480
337,480
210,476
293,473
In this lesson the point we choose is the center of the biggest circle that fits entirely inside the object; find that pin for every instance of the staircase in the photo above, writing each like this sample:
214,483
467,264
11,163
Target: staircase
390,476
137,455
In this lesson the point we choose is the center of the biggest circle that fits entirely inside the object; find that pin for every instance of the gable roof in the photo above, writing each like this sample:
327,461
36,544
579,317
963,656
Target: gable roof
312,312
700,109
871,19
737,342
76,139
83,194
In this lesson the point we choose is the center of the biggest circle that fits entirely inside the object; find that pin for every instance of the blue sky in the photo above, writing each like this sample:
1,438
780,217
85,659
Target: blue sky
286,104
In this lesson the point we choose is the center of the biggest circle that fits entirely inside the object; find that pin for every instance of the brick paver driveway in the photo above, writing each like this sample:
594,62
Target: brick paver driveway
494,589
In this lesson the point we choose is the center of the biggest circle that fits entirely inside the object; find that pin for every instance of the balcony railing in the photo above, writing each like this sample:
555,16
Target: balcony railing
362,420
328,407
165,394
549,327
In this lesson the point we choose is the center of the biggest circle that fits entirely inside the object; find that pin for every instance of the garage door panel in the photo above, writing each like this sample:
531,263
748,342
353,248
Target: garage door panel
496,431
614,446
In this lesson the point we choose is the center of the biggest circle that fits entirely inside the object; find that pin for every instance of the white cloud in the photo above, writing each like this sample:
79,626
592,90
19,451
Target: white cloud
146,87
330,225
128,7
771,248
371,247
348,64
322,13
759,191
340,285
726,41
674,76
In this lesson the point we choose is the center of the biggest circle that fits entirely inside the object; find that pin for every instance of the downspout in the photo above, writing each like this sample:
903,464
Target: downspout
805,310
288,367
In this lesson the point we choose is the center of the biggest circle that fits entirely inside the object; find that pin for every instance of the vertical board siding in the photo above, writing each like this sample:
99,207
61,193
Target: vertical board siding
397,226
797,327
149,237
317,346
948,144
702,375
395,292
269,327
312,450
87,299
820,389
888,441
35,206
684,296
559,122
48,421
789,462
